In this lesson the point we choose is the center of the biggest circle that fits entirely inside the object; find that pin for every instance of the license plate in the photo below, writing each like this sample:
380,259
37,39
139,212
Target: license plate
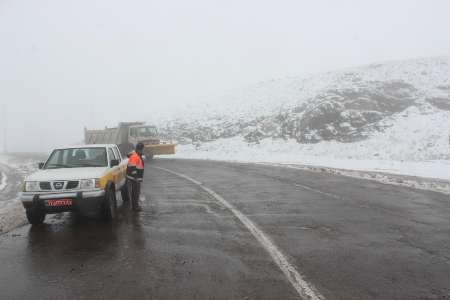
59,202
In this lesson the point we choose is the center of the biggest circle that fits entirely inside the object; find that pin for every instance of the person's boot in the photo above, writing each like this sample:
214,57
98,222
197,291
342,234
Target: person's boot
135,204
137,207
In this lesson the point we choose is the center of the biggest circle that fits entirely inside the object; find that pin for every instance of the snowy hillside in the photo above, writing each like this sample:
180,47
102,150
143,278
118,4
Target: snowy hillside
428,76
397,111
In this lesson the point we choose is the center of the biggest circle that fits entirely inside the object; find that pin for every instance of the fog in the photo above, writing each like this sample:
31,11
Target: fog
69,64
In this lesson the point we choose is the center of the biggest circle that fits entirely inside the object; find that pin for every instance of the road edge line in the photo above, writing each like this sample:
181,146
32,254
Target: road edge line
303,288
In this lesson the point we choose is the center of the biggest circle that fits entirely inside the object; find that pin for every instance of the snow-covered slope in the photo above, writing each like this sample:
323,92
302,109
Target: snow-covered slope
13,169
367,116
429,76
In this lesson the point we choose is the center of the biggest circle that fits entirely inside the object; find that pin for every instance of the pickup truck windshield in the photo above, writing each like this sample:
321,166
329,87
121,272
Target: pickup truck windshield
77,158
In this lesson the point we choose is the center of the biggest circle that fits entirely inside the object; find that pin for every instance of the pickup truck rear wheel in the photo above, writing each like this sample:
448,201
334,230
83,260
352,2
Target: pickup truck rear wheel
35,216
110,205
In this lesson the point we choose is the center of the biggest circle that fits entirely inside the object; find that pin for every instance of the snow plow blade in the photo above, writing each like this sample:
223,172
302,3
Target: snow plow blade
160,149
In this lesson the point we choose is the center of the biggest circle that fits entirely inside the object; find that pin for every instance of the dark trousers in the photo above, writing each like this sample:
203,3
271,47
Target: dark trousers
134,190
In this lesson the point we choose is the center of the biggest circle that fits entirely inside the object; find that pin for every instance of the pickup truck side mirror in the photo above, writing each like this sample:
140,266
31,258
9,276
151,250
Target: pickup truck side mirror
114,162
41,165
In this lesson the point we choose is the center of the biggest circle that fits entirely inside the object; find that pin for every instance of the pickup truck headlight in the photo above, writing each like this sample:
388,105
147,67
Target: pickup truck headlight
31,186
89,184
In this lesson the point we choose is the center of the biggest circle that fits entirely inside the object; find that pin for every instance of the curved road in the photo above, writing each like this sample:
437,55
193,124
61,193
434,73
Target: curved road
347,238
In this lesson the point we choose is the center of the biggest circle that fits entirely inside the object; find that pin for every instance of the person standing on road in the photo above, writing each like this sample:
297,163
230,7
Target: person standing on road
135,175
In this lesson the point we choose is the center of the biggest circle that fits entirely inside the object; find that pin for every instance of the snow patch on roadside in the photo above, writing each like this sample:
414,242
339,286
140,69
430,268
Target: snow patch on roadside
12,216
291,153
4,181
421,183
13,169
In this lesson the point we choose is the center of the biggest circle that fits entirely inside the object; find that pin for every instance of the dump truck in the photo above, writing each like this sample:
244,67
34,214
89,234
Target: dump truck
127,134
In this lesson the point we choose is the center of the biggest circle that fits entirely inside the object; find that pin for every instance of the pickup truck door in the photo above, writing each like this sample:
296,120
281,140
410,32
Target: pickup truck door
122,166
118,172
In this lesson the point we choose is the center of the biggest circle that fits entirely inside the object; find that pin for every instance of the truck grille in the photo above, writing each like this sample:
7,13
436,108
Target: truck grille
45,185
72,185
59,185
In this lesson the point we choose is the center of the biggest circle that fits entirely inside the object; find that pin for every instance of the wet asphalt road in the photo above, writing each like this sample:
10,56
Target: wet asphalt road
351,239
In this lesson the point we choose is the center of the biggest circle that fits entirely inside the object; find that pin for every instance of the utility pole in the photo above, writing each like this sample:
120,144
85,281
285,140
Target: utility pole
5,129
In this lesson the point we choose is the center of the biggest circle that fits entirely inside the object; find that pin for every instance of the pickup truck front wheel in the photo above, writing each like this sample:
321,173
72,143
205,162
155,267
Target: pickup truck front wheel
110,204
35,216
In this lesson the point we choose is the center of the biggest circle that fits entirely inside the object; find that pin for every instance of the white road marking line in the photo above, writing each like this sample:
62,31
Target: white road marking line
205,206
303,288
317,191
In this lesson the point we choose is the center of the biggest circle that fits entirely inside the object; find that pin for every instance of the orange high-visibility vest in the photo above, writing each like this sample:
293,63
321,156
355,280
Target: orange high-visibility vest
136,160
135,170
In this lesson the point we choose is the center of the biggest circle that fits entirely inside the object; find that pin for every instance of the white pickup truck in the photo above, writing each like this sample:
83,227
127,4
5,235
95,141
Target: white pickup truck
76,178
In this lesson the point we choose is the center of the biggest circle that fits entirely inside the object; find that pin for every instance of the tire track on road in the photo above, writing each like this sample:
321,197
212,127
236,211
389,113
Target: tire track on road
297,280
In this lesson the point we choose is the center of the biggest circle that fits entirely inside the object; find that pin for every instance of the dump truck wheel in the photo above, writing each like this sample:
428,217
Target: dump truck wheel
35,216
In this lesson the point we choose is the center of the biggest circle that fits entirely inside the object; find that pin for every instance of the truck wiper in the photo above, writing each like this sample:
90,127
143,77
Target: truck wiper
91,165
56,166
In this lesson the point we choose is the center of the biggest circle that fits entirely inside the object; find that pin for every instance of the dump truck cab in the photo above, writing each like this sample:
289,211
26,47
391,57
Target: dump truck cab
144,134
149,136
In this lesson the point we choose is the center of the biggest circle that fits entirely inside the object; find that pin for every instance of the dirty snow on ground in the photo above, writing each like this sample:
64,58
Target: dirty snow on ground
13,169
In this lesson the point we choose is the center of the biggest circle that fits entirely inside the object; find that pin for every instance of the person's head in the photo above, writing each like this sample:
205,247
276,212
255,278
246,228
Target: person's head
139,148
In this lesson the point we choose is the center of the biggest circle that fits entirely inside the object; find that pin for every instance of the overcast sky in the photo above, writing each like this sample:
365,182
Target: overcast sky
68,64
